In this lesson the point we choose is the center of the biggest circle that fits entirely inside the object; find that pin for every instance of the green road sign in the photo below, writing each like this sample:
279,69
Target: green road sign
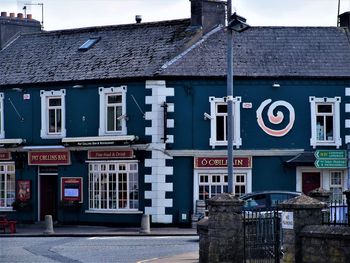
331,163
329,154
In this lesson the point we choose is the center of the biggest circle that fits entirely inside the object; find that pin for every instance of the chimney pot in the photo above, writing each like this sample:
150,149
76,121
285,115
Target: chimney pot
29,16
138,19
20,15
3,13
12,15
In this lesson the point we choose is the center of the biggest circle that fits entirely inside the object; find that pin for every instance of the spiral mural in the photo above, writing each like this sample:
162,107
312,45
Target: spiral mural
275,119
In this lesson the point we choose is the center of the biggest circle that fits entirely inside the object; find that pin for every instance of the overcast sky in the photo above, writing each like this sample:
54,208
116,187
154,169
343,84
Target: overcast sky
62,14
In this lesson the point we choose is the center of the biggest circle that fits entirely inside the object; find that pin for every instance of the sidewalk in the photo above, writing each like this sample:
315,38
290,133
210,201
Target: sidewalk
37,230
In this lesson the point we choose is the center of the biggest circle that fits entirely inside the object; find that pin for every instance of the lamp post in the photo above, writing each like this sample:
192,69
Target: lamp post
234,23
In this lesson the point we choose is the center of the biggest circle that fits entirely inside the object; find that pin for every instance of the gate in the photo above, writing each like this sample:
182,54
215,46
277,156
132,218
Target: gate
262,236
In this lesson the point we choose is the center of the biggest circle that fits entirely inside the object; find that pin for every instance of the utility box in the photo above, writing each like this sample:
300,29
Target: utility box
184,217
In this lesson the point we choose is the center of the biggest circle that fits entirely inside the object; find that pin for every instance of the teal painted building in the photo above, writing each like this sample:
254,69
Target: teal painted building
101,125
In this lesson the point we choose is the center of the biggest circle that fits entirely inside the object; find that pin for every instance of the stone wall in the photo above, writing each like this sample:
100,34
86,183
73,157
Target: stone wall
325,244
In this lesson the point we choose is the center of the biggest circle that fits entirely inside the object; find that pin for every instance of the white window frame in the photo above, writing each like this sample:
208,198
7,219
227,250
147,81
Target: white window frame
98,172
6,171
103,93
2,128
341,185
237,140
45,95
238,171
337,141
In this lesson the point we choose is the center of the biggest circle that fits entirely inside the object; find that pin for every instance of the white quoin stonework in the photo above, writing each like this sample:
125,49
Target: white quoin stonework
157,163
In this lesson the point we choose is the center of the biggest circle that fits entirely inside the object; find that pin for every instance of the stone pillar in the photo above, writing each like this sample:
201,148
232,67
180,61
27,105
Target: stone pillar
303,211
320,194
225,229
202,230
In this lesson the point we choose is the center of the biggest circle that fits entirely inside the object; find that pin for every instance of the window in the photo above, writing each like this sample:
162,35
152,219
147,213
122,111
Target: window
89,43
325,122
53,114
2,130
218,122
112,111
7,185
113,186
214,184
336,186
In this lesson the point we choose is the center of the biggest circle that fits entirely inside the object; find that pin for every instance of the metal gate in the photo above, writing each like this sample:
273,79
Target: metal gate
262,236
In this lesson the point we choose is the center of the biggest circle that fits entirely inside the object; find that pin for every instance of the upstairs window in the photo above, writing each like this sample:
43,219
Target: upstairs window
325,122
112,111
53,114
219,124
2,130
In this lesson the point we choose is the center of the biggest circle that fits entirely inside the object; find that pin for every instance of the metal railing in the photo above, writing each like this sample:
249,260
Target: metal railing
337,213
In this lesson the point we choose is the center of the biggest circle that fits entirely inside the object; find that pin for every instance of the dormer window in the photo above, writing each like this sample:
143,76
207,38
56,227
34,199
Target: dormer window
89,43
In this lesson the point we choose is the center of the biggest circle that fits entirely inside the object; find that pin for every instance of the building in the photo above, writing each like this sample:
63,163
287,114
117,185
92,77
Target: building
100,125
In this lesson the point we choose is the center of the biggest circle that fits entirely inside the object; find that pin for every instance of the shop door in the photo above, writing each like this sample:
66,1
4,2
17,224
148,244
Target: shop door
310,181
48,196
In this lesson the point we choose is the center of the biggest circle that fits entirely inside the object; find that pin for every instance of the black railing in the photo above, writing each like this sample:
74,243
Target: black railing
337,213
262,235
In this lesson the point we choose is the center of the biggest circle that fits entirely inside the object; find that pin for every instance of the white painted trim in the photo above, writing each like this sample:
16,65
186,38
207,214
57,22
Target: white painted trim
11,141
220,153
347,123
44,118
91,211
347,107
102,91
99,139
347,91
237,140
196,173
336,121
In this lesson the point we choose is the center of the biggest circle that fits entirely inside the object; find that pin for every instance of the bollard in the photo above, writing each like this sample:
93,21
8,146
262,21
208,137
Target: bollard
145,225
48,225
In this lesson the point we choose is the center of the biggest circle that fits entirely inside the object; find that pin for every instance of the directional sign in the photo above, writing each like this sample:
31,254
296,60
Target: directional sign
329,154
331,163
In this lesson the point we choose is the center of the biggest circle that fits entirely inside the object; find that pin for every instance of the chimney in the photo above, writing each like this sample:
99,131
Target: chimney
207,14
138,19
11,26
344,20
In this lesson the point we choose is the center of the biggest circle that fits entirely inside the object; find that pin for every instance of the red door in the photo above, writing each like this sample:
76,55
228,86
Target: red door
48,196
310,181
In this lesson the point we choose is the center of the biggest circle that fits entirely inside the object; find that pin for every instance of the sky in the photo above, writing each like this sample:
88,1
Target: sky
64,14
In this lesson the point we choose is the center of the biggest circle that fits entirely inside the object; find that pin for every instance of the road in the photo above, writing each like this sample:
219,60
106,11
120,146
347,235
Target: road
93,249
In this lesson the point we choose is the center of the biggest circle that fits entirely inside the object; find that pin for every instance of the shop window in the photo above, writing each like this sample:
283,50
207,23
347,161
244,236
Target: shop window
53,114
113,186
214,184
7,186
112,111
325,122
336,186
218,122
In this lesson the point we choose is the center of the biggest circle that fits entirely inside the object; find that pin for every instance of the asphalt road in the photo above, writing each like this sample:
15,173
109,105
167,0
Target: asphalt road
93,249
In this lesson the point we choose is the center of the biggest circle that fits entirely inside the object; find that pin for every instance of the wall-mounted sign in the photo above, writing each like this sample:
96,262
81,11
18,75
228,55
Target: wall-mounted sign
275,118
247,105
221,162
330,154
331,163
287,220
23,190
111,154
71,189
49,158
5,156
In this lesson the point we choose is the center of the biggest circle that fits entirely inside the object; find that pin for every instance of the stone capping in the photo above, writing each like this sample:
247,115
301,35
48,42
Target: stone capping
225,199
326,231
302,202
202,225
319,192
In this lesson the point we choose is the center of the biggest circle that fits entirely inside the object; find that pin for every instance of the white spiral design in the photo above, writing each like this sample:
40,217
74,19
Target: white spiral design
275,119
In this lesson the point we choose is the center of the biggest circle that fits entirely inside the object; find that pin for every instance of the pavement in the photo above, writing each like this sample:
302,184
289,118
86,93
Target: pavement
37,230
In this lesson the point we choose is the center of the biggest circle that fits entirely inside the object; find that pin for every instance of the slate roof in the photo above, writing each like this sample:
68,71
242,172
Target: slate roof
135,50
270,52
165,49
